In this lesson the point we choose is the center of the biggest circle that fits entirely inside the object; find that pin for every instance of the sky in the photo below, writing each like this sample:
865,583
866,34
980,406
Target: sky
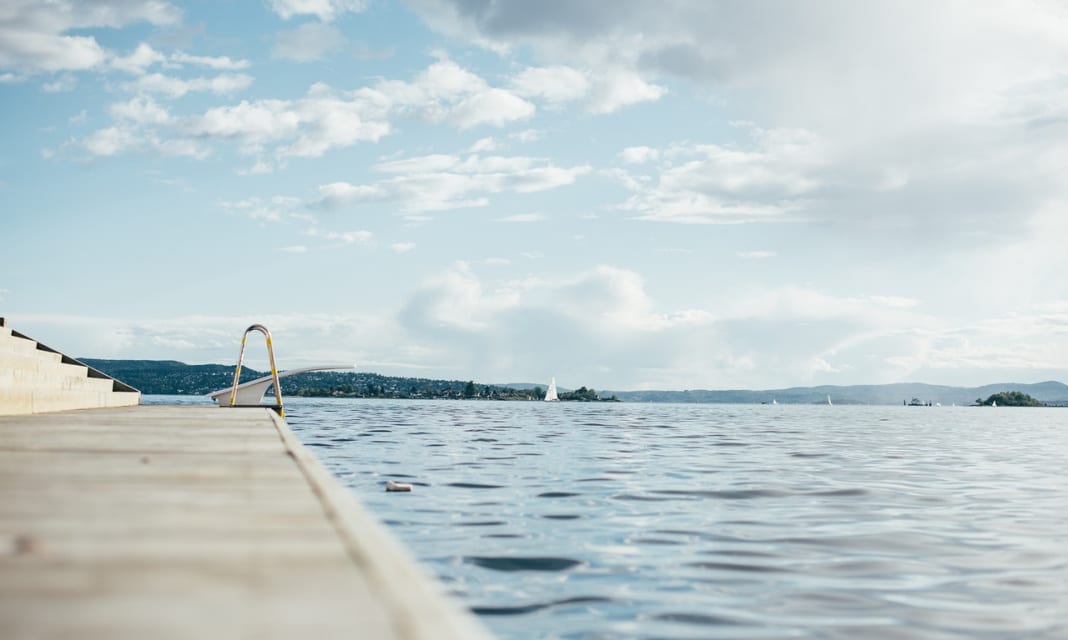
682,194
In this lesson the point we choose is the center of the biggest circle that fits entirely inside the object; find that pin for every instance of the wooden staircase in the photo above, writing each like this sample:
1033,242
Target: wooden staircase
35,378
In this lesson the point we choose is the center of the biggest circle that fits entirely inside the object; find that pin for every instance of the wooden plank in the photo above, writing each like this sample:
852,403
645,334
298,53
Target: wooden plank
194,522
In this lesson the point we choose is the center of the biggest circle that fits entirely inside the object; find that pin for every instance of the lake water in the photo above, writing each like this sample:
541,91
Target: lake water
720,521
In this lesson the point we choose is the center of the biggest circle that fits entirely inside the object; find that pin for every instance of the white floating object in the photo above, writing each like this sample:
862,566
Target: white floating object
397,486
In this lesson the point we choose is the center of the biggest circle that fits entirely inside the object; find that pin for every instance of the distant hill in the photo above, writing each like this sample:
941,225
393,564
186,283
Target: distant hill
167,377
172,377
1050,392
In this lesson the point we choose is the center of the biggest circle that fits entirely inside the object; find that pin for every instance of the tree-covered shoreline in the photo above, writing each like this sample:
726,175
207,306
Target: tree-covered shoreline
169,377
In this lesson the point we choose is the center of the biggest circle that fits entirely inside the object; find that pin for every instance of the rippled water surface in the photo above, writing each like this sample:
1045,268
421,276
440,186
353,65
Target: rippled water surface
720,521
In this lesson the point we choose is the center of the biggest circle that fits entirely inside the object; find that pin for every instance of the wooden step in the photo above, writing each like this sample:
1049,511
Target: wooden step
24,362
22,346
34,379
26,401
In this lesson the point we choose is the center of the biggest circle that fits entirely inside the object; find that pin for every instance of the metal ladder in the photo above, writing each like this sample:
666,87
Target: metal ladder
274,370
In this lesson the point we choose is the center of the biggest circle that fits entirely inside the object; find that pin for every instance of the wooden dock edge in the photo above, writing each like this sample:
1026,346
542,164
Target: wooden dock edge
418,606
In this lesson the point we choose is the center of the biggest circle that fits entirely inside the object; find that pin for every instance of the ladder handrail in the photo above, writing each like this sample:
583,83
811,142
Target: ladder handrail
274,370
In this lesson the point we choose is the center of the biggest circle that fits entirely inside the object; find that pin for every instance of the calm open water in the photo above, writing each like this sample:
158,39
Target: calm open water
720,521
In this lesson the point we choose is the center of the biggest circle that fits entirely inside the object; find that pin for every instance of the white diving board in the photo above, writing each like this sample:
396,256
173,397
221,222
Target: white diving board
252,392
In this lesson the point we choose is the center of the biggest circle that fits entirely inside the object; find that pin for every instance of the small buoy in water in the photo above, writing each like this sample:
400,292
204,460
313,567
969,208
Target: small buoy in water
397,486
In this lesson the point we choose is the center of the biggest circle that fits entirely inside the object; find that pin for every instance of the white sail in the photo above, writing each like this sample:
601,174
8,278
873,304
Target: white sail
829,400
550,395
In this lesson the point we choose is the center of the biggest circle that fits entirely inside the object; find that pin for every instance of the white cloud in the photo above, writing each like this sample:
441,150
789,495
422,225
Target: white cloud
604,91
443,80
310,338
527,135
616,88
1028,345
340,238
496,107
62,84
523,217
112,141
608,330
273,209
296,248
483,144
446,92
326,118
29,52
339,193
219,63
143,56
254,124
823,62
437,182
720,184
555,85
141,110
935,119
454,300
305,128
181,147
602,320
402,247
308,42
137,129
258,168
35,38
334,121
420,164
174,87
639,155
324,10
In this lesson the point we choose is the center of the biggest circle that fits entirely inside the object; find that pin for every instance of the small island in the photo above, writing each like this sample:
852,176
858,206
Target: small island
1009,399
582,394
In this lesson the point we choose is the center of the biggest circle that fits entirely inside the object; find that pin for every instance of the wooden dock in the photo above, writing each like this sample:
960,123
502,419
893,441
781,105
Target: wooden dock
195,522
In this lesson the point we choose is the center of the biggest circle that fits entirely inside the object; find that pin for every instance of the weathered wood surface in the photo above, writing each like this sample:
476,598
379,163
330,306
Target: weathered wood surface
194,522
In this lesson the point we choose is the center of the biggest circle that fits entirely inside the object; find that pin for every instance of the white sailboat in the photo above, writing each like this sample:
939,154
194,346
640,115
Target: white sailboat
829,399
550,395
